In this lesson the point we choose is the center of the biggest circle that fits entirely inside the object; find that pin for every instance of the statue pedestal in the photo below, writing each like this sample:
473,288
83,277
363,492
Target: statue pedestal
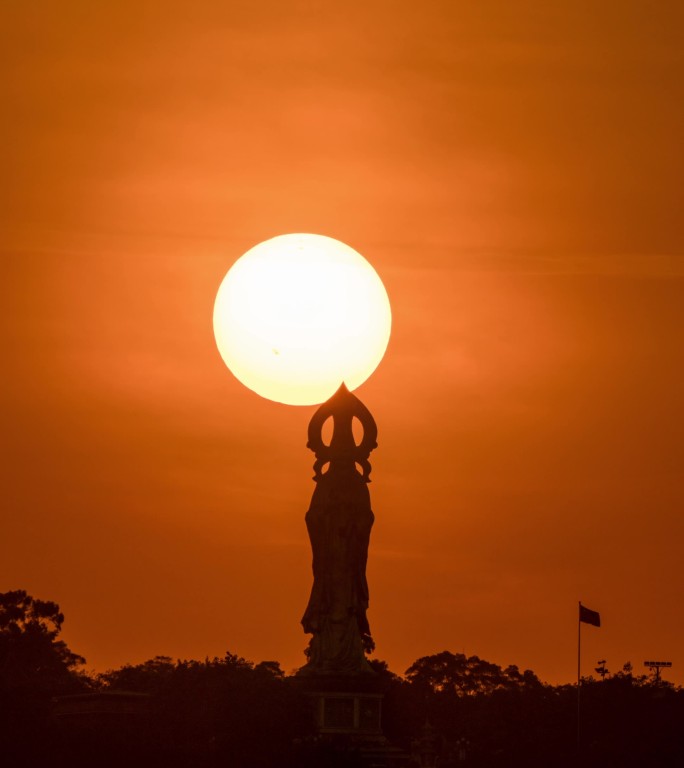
345,704
342,712
349,713
349,717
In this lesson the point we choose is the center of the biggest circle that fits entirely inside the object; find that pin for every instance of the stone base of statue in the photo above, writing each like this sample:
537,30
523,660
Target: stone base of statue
348,711
350,704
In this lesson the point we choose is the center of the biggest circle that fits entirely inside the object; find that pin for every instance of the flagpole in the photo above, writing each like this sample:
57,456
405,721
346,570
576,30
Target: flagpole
579,678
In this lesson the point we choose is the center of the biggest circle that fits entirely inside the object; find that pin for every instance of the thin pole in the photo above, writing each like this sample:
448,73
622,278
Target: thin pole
579,678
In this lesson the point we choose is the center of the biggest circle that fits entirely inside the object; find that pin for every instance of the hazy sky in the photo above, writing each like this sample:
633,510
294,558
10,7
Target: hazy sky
512,170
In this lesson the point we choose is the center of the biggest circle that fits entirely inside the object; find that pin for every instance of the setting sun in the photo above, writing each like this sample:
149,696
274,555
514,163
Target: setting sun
298,315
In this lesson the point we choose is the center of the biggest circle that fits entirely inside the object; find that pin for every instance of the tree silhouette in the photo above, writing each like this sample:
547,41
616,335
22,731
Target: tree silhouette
31,656
34,666
221,710
467,676
601,670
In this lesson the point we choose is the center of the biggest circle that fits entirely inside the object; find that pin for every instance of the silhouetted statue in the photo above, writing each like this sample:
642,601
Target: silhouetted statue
339,523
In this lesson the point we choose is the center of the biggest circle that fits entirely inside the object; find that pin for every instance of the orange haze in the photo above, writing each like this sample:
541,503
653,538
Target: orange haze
513,171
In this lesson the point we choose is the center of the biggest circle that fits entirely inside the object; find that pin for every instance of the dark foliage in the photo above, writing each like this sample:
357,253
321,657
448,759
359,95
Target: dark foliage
229,712
510,718
31,656
34,667
219,712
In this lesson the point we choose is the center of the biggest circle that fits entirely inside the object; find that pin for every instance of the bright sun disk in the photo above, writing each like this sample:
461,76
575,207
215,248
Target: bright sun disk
298,315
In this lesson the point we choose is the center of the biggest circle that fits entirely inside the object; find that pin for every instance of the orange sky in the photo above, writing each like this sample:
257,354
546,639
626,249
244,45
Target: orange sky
512,170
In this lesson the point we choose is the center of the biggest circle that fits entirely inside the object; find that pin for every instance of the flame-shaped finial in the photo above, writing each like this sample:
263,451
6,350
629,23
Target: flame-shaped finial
343,452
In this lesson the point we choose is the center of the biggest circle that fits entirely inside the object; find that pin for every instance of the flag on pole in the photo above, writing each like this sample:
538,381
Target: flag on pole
589,617
586,616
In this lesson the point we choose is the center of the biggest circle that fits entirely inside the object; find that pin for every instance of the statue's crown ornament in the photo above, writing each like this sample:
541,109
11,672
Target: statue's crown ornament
343,451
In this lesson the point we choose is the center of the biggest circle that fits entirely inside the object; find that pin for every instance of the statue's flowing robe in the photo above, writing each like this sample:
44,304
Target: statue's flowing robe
339,523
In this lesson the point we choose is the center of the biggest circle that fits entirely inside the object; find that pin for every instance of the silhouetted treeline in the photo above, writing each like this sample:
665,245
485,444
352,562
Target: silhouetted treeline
231,712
